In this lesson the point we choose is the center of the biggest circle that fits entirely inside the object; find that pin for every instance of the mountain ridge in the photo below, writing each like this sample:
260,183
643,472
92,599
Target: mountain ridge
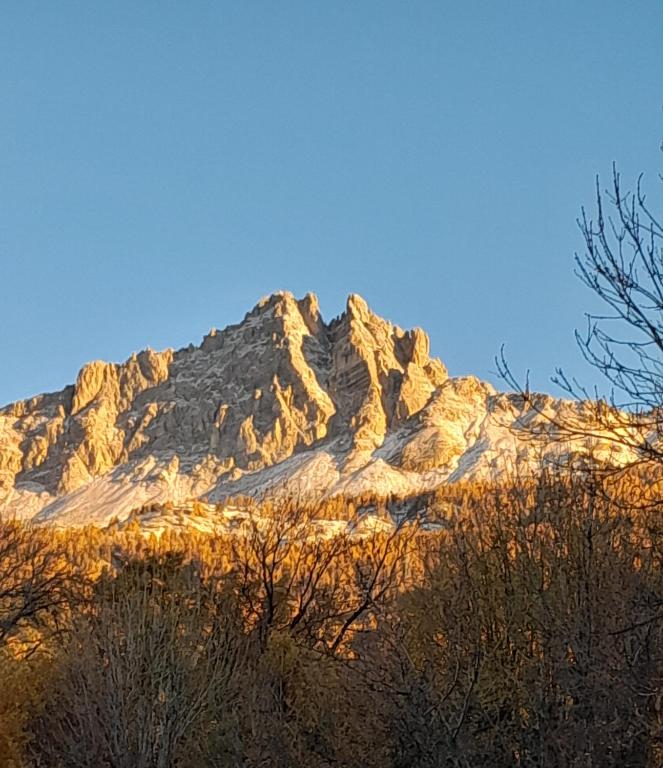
281,402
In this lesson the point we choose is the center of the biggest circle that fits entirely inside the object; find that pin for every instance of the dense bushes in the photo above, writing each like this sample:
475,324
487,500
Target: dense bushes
147,666
527,631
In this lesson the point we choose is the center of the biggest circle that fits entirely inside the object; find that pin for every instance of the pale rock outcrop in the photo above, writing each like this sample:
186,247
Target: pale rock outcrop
281,402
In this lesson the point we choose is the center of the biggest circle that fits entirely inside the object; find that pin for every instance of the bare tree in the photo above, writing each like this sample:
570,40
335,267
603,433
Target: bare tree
35,583
533,639
622,264
148,672
292,576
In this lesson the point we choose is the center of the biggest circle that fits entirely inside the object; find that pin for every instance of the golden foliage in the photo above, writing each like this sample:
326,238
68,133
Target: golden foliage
523,626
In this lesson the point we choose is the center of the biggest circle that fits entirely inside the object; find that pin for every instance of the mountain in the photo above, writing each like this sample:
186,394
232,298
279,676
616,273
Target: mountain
281,403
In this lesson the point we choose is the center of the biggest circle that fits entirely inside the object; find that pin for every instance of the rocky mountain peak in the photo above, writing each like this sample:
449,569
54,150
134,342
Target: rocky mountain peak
282,397
357,308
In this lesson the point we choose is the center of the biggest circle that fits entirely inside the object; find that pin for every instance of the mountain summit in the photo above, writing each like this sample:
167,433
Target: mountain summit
283,402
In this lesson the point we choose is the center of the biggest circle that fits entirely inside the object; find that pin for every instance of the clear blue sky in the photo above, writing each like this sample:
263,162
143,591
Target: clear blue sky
165,164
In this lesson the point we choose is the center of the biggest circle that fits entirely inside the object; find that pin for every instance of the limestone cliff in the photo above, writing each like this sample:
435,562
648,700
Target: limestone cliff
281,400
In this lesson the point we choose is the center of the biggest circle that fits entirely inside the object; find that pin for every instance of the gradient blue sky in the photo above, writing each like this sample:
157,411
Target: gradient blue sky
165,164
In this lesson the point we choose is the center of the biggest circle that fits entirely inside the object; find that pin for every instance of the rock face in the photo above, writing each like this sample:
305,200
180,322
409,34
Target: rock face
281,402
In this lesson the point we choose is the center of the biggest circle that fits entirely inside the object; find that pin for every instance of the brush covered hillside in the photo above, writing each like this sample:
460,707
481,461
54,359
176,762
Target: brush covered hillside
282,403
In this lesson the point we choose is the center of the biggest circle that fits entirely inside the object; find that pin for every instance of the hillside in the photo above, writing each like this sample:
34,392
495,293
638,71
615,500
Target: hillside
281,403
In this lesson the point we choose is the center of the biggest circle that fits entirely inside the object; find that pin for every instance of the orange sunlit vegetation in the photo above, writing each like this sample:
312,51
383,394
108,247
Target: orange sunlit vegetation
524,629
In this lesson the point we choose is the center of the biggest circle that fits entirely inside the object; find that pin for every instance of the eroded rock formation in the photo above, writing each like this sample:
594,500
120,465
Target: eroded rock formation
280,399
